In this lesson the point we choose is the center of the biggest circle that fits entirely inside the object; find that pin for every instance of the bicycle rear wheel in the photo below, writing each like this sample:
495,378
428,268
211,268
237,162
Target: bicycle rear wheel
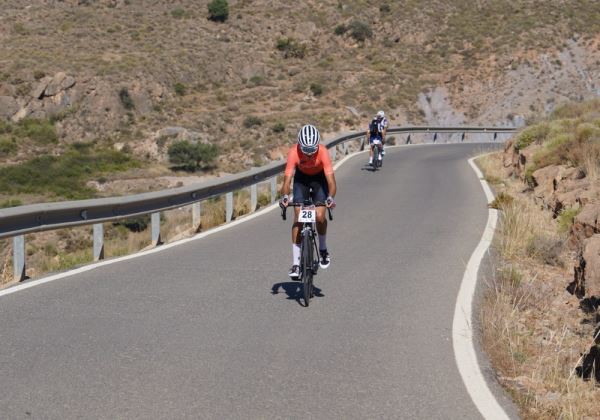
376,160
307,272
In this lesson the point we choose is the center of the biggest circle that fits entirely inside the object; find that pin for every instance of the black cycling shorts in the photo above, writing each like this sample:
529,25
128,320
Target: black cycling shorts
303,183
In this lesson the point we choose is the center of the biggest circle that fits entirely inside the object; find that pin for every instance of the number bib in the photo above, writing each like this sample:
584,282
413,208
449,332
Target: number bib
308,214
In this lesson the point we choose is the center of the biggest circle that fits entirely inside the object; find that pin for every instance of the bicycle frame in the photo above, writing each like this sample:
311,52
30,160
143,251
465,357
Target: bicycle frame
308,250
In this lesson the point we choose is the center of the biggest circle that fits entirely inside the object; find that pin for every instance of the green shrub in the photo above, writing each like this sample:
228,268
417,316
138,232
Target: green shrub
126,100
191,156
340,29
179,88
290,47
257,80
11,202
385,8
536,133
316,89
279,127
566,218
8,146
218,10
178,13
359,30
252,121
38,74
40,131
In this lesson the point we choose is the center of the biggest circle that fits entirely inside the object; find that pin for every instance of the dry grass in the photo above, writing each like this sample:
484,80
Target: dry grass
532,330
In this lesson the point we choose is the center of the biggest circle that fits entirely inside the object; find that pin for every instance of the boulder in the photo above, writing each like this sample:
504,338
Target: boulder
545,180
586,222
8,107
55,84
591,256
40,88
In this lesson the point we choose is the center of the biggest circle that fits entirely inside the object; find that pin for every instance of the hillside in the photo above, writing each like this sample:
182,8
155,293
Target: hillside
541,324
125,78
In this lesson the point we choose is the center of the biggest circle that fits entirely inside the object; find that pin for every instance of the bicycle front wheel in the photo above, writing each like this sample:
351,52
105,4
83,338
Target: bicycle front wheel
307,272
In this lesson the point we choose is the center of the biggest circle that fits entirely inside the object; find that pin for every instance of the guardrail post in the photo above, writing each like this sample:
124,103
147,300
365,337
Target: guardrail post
333,152
98,241
155,219
362,144
345,148
408,139
435,137
228,207
273,189
196,216
462,137
19,258
253,197
495,136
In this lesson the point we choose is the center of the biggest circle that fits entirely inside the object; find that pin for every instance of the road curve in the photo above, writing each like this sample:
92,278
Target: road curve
212,328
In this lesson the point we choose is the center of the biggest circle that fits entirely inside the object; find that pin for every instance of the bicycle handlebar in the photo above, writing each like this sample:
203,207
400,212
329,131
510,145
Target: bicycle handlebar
284,209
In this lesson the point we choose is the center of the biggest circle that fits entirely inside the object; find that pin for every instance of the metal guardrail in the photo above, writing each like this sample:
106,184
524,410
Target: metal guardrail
17,221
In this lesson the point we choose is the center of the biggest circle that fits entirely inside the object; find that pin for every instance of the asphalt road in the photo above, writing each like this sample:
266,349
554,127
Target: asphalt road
213,328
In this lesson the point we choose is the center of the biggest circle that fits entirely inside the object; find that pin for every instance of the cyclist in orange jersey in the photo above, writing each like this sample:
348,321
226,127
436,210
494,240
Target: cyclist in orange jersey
309,164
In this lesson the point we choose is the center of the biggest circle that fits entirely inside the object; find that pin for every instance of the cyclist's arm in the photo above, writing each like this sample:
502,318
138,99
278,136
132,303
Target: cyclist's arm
331,185
290,168
384,131
328,170
286,187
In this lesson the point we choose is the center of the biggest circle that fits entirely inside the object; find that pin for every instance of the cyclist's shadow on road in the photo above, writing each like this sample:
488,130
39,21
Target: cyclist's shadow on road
293,290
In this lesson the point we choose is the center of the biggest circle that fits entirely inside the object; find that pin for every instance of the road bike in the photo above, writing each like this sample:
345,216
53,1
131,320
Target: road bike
309,251
377,147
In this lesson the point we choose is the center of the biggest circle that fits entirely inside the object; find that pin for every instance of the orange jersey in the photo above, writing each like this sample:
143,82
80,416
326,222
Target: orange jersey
309,165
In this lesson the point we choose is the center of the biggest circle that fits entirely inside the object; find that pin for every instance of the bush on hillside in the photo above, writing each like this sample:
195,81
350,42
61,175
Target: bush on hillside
536,133
359,30
40,131
191,156
252,121
218,10
340,29
291,48
316,89
279,127
179,88
125,98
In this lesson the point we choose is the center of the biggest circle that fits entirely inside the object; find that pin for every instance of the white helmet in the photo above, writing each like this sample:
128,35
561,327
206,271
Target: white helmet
308,139
381,114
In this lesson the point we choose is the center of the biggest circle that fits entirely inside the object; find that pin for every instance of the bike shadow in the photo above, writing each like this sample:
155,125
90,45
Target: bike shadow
369,168
293,290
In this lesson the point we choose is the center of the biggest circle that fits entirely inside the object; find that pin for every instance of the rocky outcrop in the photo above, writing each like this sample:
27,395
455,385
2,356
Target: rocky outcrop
558,187
50,96
8,107
587,269
587,222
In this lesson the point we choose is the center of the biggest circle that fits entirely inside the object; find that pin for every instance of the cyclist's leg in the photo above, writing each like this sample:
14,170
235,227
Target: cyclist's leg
300,192
320,194
370,151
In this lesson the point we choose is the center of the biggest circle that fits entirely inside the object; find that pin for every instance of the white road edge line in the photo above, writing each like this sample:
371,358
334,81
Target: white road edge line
462,326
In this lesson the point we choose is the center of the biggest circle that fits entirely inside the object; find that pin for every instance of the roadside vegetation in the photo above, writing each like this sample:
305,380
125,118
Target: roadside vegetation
64,175
534,331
